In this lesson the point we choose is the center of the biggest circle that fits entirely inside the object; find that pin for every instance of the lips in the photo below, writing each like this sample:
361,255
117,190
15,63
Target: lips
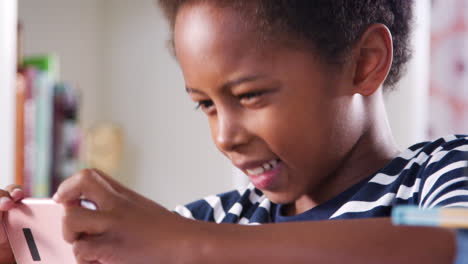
263,174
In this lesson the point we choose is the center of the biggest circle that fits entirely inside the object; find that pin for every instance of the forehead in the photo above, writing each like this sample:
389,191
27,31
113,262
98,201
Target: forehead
202,27
215,45
224,16
215,40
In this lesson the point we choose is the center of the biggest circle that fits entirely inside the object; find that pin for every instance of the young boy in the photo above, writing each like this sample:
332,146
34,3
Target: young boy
293,92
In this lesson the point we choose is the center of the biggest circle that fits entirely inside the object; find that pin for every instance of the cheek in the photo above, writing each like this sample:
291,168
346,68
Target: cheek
280,130
299,134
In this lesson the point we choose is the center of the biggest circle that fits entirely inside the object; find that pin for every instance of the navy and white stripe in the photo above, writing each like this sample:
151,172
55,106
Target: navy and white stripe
427,174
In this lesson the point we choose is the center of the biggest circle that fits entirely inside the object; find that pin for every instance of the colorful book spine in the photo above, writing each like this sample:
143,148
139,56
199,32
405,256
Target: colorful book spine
43,92
19,149
29,131
66,137
21,84
42,176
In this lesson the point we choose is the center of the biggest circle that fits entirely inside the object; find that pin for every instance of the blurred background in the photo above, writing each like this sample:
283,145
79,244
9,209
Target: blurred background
112,97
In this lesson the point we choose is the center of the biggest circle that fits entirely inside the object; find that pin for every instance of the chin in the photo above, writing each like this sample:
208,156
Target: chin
281,197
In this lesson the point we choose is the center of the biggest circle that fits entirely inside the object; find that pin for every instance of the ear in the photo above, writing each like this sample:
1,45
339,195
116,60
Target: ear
372,57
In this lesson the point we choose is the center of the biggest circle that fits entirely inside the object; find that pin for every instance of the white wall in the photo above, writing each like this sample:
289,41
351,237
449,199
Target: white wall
8,20
74,31
407,106
169,152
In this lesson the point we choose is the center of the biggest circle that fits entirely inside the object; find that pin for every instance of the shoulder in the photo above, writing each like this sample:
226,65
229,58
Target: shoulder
436,158
444,180
426,174
436,151
449,149
423,159
435,171
245,206
440,148
427,157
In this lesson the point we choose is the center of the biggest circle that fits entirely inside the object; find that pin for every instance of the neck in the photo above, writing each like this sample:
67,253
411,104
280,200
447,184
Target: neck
372,151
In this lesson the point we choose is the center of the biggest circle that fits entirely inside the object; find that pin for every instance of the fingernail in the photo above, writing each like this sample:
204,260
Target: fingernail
16,193
55,197
5,200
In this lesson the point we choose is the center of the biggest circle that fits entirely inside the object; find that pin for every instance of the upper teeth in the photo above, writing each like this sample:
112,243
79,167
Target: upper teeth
265,167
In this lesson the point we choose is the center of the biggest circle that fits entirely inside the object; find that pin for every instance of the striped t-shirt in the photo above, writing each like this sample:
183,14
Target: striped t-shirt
427,174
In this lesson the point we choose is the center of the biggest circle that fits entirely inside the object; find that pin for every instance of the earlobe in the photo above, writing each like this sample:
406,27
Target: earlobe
372,55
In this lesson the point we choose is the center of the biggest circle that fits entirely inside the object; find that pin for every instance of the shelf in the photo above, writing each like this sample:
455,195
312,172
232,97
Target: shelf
8,25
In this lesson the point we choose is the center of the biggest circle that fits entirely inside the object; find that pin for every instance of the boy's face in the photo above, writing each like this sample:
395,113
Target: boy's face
277,113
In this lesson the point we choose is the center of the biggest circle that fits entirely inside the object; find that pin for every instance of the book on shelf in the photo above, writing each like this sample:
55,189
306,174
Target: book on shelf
47,131
66,133
43,85
28,133
19,110
19,126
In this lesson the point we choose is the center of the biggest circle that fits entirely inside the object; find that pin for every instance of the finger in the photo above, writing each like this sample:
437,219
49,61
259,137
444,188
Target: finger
12,187
79,221
118,187
16,192
6,203
3,235
89,185
90,249
6,254
87,262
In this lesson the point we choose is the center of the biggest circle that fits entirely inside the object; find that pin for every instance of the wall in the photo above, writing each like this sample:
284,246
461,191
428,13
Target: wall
408,106
7,92
169,155
73,30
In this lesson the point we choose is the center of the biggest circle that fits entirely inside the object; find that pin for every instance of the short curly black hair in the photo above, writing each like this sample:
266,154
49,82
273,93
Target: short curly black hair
331,27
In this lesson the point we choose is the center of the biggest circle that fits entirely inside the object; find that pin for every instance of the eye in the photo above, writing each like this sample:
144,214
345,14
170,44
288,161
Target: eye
204,105
249,97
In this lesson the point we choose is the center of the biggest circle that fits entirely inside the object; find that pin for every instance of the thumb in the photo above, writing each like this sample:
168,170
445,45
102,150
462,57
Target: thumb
91,250
6,255
78,221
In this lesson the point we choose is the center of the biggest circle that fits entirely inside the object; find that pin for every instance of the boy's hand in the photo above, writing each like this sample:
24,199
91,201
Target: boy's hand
8,198
125,228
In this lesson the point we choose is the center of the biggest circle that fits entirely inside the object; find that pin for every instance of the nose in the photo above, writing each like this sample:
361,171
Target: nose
230,133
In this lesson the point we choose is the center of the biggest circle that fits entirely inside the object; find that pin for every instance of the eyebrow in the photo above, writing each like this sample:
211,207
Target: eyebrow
229,84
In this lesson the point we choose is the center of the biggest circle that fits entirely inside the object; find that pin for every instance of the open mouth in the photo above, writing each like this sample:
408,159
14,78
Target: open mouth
267,166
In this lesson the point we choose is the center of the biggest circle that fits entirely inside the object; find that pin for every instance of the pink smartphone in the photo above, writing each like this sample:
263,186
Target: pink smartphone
34,230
